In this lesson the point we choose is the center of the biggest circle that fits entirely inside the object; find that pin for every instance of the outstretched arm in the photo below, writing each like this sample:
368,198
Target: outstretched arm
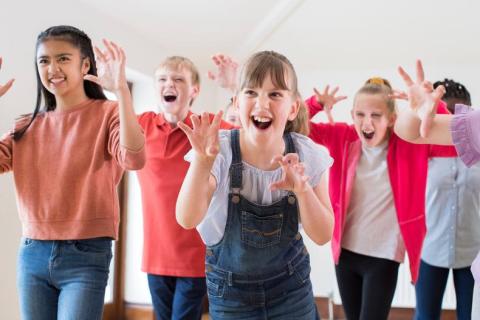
316,213
199,184
111,76
419,123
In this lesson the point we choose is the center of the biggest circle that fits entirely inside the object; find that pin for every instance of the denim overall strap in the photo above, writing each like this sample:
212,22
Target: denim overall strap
289,145
236,167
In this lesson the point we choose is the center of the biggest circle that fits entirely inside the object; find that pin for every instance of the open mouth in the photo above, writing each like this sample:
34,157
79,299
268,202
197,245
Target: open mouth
56,80
169,98
368,135
261,123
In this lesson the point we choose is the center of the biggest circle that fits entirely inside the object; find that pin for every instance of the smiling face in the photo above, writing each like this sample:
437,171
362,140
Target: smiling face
175,90
265,110
61,68
372,118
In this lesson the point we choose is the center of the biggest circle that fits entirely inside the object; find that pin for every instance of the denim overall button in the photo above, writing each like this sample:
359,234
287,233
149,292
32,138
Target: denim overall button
209,252
235,199
208,268
298,236
305,251
291,199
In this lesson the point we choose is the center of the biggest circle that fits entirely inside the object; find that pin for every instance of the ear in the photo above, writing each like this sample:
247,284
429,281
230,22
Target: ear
85,65
392,119
195,91
235,102
294,110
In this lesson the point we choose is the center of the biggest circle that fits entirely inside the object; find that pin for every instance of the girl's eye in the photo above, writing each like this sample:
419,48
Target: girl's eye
360,115
63,59
249,92
276,94
42,61
376,115
179,80
161,79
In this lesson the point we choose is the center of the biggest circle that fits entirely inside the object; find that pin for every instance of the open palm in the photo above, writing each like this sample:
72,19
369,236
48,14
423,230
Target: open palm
203,136
423,100
226,75
110,67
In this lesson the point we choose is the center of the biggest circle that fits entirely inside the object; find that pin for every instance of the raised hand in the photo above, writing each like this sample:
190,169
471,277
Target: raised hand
328,99
226,75
293,174
423,100
110,67
204,135
4,88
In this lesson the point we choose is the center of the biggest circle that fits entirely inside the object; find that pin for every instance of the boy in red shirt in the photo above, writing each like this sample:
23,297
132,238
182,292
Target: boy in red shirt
173,257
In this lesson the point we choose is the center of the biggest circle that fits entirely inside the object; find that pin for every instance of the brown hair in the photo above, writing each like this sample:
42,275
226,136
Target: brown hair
380,86
280,69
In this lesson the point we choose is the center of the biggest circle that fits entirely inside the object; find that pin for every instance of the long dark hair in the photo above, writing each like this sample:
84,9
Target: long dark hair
78,39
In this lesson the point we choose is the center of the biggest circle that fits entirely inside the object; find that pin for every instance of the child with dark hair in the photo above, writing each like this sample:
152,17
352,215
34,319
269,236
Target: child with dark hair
453,225
420,124
74,145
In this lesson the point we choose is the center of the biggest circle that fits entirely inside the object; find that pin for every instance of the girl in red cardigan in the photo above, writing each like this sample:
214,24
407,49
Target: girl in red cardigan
377,188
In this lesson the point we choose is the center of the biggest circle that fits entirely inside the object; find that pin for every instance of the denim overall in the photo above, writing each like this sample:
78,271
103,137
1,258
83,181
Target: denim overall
261,268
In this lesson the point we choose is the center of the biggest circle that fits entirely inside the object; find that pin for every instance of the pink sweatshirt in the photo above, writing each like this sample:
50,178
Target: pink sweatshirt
66,168
407,169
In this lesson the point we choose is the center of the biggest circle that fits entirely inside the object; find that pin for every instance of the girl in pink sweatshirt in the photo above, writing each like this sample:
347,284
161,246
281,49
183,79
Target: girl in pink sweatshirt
67,158
377,188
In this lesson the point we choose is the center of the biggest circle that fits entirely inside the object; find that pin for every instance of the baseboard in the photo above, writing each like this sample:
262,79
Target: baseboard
145,312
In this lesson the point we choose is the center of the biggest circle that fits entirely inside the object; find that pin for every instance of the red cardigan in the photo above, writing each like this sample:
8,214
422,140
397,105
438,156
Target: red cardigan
407,169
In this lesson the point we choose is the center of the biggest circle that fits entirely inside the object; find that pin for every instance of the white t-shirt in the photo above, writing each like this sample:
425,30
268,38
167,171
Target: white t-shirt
256,182
371,226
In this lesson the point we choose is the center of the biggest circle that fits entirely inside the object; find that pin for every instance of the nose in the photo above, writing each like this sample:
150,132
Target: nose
262,101
367,123
53,67
169,82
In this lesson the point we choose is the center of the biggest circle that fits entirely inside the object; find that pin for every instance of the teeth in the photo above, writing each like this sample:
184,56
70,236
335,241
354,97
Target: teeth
57,80
261,119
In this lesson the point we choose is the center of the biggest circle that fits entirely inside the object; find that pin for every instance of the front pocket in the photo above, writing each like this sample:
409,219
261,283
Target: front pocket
261,232
214,290
102,246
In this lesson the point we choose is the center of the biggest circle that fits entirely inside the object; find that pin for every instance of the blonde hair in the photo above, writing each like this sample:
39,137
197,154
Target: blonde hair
179,62
280,69
380,86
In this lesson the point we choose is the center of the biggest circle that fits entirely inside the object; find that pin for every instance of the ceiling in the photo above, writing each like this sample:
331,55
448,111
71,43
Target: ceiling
312,32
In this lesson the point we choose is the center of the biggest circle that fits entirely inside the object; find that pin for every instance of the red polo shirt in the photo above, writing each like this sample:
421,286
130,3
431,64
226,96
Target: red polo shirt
168,249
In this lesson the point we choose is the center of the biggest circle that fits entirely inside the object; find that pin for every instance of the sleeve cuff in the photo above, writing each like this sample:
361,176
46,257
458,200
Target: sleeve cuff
463,137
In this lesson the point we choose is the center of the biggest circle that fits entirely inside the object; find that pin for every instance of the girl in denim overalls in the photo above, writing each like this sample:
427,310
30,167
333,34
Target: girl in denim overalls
247,199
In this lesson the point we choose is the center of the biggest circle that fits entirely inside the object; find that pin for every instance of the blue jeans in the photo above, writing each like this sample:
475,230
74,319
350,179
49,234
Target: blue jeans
177,297
282,297
63,279
430,288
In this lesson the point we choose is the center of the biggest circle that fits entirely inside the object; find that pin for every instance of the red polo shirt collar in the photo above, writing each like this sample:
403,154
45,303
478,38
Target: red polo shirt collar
160,120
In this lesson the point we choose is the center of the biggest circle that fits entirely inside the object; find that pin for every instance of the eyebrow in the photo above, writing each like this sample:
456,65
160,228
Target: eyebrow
56,56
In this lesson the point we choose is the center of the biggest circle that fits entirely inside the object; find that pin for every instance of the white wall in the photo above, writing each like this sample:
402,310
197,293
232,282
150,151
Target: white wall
21,21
